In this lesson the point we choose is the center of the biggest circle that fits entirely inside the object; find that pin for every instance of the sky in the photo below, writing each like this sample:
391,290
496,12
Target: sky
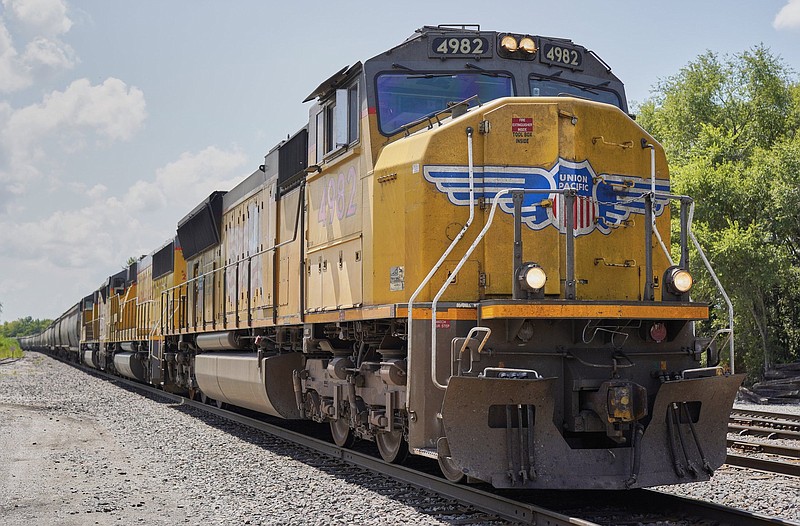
118,117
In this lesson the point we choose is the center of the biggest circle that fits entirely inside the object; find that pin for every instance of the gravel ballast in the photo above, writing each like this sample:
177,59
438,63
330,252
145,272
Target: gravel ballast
767,493
77,449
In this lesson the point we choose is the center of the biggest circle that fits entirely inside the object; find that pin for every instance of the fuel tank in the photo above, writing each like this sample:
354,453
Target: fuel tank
88,359
245,380
128,365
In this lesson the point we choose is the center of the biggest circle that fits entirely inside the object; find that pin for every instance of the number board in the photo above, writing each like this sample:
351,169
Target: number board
460,46
558,54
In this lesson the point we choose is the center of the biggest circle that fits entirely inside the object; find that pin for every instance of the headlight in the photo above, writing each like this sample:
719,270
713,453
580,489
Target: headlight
528,45
509,43
532,276
680,280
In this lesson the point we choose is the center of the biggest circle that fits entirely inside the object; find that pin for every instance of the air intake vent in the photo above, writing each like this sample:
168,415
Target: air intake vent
292,159
164,261
200,230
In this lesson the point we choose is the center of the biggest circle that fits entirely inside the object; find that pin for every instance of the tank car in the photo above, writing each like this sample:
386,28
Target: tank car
465,254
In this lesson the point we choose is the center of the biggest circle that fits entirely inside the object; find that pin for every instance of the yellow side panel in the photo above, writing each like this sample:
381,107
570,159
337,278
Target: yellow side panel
289,257
146,307
335,280
169,310
333,235
205,294
334,202
247,265
385,253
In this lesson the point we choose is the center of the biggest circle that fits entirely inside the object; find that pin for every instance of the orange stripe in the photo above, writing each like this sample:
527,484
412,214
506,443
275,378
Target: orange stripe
449,314
596,311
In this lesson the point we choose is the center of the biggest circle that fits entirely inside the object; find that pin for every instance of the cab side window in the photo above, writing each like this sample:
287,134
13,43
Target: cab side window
337,122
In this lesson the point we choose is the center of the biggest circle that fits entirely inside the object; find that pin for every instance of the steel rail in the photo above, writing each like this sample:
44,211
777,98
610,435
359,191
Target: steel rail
485,501
770,432
763,464
766,448
766,416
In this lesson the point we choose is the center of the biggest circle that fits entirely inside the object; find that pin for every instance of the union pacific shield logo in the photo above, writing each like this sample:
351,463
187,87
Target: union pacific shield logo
604,201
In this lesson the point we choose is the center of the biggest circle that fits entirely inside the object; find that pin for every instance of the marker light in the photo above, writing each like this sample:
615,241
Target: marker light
509,43
532,276
658,331
528,45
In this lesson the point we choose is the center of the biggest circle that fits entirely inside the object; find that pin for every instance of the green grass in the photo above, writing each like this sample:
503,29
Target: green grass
9,348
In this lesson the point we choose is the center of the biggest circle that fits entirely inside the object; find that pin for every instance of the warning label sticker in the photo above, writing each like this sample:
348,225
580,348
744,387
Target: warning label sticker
522,125
522,129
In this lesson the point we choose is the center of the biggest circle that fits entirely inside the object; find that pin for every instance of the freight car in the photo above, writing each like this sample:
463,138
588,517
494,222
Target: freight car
464,255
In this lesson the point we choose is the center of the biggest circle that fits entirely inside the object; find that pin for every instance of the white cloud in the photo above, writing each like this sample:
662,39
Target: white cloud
44,21
183,183
78,248
48,17
14,75
65,121
111,228
97,191
788,17
195,175
112,109
43,54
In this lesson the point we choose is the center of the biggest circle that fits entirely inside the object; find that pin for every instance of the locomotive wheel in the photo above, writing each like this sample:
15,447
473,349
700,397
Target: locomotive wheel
342,434
392,447
450,469
447,465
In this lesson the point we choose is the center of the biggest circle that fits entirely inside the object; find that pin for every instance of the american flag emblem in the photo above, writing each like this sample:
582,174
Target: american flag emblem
584,214
603,201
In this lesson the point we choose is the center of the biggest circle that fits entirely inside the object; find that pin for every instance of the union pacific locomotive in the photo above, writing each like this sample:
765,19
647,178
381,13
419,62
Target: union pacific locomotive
465,254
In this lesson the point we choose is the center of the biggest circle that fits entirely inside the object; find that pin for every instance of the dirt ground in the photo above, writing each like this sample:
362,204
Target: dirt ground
58,466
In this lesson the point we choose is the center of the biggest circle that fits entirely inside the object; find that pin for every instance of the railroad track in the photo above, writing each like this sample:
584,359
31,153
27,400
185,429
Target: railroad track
6,361
763,464
783,459
764,423
596,508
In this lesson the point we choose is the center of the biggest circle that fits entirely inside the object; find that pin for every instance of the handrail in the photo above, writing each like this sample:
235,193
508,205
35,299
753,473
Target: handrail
653,204
464,345
478,239
684,199
444,255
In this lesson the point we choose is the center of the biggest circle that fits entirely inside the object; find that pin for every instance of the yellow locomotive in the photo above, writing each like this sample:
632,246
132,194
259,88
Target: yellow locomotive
463,255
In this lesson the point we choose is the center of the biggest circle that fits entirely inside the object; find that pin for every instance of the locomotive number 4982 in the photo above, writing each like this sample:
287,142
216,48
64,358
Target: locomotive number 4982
339,197
460,46
563,56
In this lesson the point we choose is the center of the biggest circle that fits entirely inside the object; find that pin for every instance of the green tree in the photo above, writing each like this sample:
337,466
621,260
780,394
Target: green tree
729,126
23,327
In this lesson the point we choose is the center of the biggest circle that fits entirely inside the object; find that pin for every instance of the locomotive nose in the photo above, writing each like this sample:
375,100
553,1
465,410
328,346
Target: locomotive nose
507,431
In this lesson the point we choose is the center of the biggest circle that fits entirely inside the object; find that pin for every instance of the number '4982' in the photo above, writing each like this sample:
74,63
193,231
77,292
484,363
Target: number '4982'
461,46
562,55
338,197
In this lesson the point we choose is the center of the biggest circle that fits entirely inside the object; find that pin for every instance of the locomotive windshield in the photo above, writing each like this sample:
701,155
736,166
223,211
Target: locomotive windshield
546,87
406,97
